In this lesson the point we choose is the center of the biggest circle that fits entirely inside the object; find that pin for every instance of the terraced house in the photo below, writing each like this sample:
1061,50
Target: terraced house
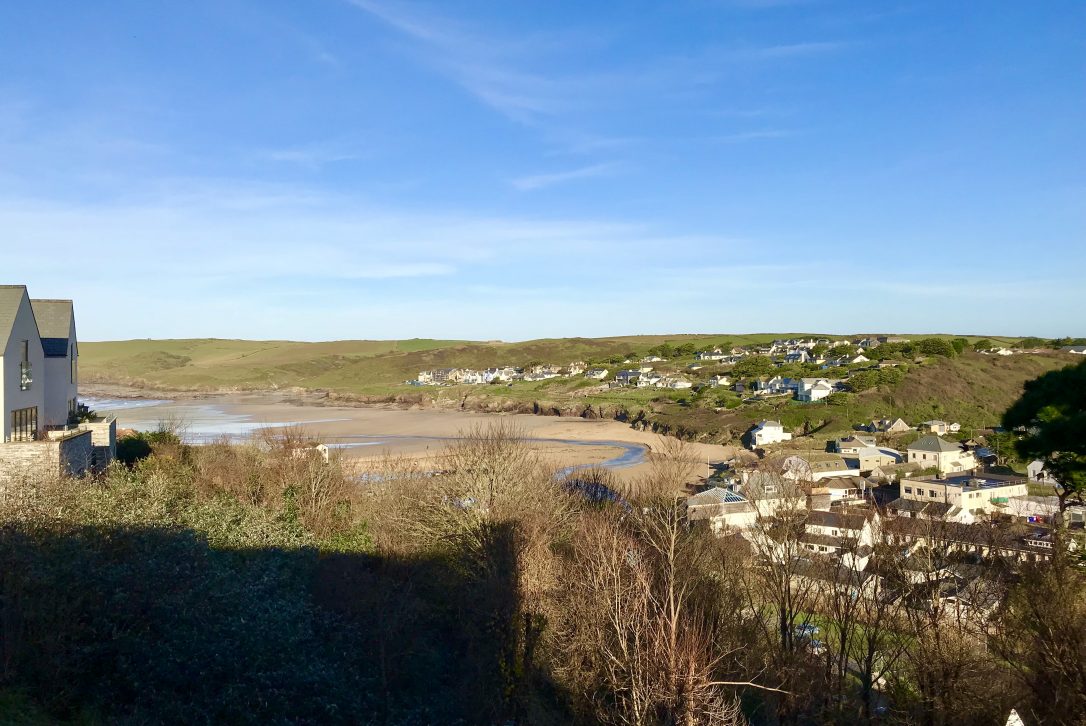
40,421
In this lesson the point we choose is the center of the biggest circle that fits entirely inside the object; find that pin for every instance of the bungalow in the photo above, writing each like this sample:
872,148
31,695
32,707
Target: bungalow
597,373
718,380
677,383
768,432
1074,349
627,378
944,456
653,359
714,354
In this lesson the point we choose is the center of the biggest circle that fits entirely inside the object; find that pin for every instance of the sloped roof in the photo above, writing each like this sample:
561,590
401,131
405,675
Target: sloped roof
934,444
10,298
54,325
716,495
836,519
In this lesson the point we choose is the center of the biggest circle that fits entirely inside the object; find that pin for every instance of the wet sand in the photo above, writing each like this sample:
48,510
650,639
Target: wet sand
363,434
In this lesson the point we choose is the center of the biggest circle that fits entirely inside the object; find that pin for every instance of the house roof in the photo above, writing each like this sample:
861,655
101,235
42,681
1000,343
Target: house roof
11,296
934,444
716,495
932,509
54,325
835,519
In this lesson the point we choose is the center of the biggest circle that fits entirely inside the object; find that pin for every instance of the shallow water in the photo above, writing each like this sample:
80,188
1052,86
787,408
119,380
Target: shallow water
202,423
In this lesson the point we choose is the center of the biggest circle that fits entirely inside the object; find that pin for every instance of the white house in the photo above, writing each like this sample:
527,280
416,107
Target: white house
1035,471
768,432
814,390
715,354
22,360
719,380
677,383
649,379
56,325
597,373
943,455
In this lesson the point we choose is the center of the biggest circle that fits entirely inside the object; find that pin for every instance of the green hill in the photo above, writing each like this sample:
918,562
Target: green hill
971,388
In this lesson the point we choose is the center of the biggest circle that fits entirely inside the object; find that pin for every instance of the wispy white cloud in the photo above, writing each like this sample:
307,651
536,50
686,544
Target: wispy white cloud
756,135
540,181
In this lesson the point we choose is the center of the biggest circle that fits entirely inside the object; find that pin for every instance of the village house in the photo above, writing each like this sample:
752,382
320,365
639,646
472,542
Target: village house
718,381
714,354
725,510
504,374
768,432
676,383
1035,471
42,425
810,390
888,426
852,444
815,468
649,379
596,373
848,537
939,428
627,378
945,456
575,368
979,496
870,458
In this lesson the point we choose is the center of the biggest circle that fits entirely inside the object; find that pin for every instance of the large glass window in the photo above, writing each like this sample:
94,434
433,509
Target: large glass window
24,424
26,376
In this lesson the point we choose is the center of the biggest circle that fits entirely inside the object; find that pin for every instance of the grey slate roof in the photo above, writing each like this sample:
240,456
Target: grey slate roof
54,325
10,297
934,444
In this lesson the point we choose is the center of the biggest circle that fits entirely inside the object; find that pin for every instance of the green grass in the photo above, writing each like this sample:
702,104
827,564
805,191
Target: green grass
971,389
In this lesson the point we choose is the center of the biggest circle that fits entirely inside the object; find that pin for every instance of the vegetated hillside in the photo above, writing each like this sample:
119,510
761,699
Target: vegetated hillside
366,367
971,389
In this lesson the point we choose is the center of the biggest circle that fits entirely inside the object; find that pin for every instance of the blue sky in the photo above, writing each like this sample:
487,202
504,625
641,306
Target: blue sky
374,169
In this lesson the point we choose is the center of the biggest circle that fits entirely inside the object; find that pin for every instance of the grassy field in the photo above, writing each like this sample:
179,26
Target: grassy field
971,389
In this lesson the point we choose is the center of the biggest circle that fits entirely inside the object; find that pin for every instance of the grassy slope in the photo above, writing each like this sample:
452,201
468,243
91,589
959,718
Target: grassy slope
354,366
971,389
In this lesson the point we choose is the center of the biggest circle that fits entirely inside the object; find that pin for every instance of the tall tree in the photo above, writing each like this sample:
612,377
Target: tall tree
1051,414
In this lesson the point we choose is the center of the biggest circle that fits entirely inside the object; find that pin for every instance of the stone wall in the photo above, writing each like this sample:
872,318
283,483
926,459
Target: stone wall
71,455
104,442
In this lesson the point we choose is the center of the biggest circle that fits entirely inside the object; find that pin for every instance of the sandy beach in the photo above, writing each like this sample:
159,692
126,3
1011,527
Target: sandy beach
363,434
